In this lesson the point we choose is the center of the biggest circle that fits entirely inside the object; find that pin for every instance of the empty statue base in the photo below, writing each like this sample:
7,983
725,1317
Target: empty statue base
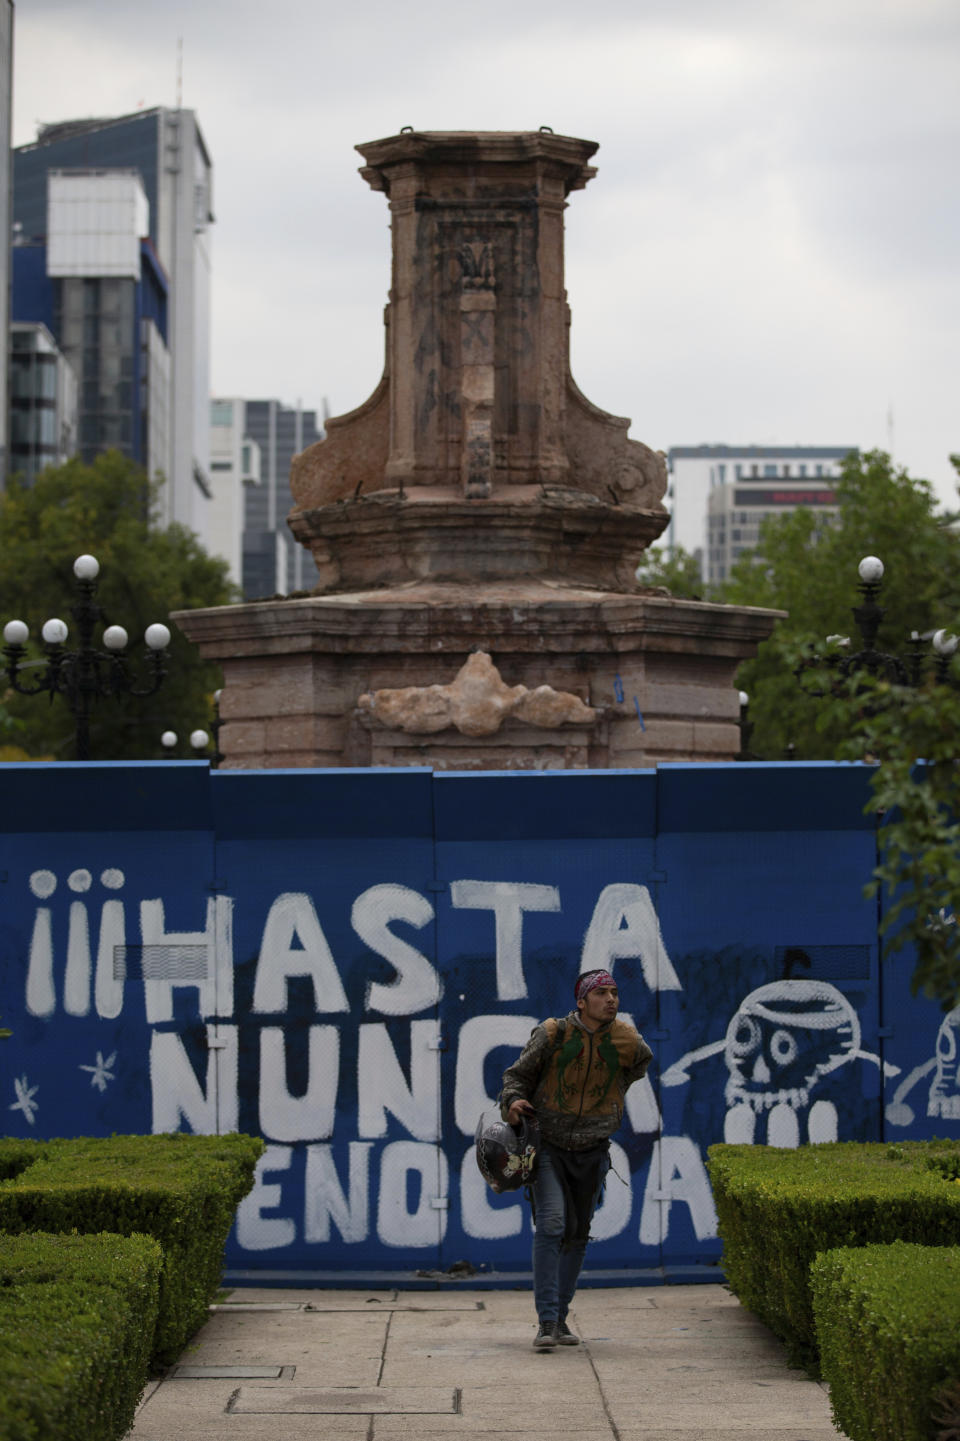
634,679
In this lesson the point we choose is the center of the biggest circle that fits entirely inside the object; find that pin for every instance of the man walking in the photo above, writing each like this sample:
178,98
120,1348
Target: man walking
573,1074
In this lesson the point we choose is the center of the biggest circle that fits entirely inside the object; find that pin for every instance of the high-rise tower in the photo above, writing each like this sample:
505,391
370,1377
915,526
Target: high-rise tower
6,95
252,444
166,150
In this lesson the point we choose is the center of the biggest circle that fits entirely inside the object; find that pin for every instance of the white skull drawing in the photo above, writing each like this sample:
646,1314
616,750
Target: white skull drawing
944,1099
783,1039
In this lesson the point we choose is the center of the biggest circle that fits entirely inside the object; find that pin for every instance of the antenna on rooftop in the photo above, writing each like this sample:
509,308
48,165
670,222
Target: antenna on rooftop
179,72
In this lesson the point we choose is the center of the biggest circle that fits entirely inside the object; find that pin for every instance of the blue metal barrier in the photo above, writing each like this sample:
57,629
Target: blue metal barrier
345,961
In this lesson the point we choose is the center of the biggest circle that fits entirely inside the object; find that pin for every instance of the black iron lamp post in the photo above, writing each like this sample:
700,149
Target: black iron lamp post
869,616
215,725
746,731
86,674
746,728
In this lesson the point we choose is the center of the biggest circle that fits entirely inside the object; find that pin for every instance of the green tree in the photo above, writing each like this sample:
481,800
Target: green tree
107,509
910,734
806,564
677,570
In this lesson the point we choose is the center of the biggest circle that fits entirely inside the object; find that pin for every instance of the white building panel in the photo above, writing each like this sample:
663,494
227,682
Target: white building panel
95,221
156,377
234,463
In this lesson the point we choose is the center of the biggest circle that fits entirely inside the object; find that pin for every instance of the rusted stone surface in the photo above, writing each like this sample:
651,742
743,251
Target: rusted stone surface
391,540
244,738
670,662
478,502
477,456
685,640
515,747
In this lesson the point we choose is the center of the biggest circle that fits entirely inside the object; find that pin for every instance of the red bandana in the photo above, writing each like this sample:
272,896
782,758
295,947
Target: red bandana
590,981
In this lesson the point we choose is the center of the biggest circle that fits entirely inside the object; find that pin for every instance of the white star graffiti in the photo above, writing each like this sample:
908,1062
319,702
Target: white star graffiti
25,1102
100,1073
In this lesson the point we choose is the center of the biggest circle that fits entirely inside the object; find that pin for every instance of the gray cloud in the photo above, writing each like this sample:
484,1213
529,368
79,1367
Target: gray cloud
767,252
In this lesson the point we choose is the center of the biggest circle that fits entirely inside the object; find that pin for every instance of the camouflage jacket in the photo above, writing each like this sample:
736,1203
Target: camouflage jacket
576,1080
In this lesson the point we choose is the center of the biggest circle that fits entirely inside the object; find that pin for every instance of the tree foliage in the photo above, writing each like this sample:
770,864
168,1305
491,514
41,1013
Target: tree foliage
910,734
677,571
806,564
106,509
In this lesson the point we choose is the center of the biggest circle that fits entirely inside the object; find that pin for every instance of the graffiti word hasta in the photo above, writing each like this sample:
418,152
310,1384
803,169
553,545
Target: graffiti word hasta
93,963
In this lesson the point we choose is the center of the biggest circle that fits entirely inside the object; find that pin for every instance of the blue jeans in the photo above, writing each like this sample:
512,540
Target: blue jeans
555,1267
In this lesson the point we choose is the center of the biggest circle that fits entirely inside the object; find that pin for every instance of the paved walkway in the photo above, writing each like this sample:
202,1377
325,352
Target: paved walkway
665,1363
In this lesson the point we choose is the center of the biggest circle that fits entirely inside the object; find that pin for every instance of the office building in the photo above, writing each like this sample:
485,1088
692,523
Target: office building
144,369
234,465
252,445
95,284
43,402
719,494
6,128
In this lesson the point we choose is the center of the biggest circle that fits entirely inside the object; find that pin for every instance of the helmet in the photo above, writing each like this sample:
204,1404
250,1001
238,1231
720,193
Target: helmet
507,1155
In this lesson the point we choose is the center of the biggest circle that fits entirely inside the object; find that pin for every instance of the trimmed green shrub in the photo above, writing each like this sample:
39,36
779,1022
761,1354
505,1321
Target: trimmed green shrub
778,1208
888,1324
182,1189
946,1411
77,1320
16,1155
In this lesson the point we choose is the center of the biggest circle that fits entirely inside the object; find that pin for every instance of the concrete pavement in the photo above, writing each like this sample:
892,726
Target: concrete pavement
663,1363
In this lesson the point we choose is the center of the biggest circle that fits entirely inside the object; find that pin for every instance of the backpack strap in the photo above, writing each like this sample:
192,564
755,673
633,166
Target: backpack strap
556,1028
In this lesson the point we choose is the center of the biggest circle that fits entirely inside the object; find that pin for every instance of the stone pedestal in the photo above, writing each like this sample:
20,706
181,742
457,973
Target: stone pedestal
477,523
634,680
477,457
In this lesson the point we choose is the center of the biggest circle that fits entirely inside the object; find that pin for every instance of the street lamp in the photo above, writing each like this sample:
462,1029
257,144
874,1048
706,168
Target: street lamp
869,616
215,725
199,740
86,674
746,728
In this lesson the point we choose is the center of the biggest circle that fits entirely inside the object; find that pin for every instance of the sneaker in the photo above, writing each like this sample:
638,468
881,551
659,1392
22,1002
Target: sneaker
565,1336
546,1337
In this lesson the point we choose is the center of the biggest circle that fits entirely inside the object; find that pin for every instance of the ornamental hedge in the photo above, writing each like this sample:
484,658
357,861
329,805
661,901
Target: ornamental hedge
180,1189
77,1320
16,1155
778,1208
888,1326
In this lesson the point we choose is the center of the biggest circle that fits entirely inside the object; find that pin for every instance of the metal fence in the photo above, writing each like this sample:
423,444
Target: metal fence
345,961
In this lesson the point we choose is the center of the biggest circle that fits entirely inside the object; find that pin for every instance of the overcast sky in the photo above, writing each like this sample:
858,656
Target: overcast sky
768,254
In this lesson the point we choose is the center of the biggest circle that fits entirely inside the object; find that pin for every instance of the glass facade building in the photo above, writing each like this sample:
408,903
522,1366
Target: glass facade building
273,562
43,402
6,97
725,492
139,342
94,320
253,443
99,288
